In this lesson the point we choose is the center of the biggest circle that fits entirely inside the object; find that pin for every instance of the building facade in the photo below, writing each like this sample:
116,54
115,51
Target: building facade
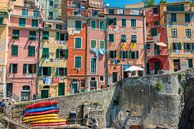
125,32
156,42
23,42
178,17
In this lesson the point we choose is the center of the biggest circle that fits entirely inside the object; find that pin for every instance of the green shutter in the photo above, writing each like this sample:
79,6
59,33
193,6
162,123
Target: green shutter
179,46
57,72
78,25
24,68
137,54
93,24
123,22
93,43
34,23
40,71
36,13
31,50
102,27
10,68
45,52
66,53
77,62
66,36
49,71
192,46
77,42
24,12
65,71
32,35
57,36
93,65
130,55
102,44
107,21
1,21
14,51
15,34
115,21
57,53
45,35
22,21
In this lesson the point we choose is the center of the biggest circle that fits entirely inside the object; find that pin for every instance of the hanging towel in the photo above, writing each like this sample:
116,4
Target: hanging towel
47,81
95,51
102,51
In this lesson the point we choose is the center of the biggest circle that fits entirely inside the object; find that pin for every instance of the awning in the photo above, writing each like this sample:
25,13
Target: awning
161,44
134,68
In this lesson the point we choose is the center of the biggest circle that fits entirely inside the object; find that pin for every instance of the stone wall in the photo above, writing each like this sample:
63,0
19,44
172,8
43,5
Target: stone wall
150,102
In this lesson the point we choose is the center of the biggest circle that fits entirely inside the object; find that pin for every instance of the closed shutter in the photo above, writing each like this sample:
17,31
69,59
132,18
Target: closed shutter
40,71
66,36
25,68
78,43
1,20
57,72
31,50
130,55
107,21
57,53
93,65
192,46
78,25
65,71
102,27
179,46
93,43
57,36
77,62
14,50
137,54
123,22
66,53
49,71
34,23
115,21
22,21
45,52
15,34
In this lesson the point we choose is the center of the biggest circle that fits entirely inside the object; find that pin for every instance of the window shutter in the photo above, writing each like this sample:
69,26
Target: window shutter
137,55
57,72
115,21
66,53
126,54
40,71
49,71
10,68
107,21
57,36
65,71
192,46
130,55
179,46
66,36
57,53
25,68
34,68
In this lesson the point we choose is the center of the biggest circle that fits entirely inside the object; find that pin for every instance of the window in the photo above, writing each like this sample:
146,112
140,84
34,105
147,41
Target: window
102,27
102,44
112,54
78,25
148,46
22,21
123,22
94,13
155,10
29,68
50,3
123,38
60,36
111,37
93,84
190,63
133,22
31,50
175,7
133,55
188,33
111,21
101,78
133,38
32,35
26,87
123,54
36,13
93,24
174,33
61,53
46,71
14,50
61,72
50,15
176,46
187,47
77,63
1,20
78,43
93,44
58,26
114,77
34,23
13,68
111,11
187,17
93,65
15,34
45,53
24,12
45,35
154,32
156,23
173,17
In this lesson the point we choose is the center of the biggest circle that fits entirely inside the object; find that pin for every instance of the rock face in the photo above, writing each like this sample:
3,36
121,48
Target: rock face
151,102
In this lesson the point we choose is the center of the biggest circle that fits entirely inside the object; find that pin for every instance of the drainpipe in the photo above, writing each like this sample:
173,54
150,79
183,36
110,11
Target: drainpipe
144,40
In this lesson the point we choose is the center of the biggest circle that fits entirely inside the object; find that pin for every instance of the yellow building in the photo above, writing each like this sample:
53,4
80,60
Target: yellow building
178,18
53,56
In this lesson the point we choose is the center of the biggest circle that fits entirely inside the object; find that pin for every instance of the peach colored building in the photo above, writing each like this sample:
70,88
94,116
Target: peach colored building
23,47
125,34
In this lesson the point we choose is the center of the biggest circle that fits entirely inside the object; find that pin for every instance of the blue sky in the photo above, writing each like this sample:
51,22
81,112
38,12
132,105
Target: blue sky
120,3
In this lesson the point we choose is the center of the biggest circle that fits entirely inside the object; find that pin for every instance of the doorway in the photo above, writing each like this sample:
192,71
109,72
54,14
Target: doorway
61,89
177,65
156,67
74,86
9,89
44,94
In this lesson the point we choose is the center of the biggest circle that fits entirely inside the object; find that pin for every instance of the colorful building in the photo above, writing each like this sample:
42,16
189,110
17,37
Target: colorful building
156,42
178,18
52,80
23,47
125,32
96,47
3,45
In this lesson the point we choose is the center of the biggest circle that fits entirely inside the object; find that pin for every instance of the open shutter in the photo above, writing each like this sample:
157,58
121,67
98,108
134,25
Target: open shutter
25,68
57,72
137,55
57,53
49,71
66,36
40,71
115,21
65,71
192,46
57,36
66,53
107,21
130,55
10,68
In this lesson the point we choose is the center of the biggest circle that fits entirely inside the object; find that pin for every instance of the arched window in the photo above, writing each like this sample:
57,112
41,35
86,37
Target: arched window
26,87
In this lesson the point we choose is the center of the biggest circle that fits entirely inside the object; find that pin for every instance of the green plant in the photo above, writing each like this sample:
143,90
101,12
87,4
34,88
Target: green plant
180,76
180,90
162,1
149,3
191,3
158,86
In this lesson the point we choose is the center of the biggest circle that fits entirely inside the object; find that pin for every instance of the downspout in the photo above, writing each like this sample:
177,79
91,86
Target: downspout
144,40
106,54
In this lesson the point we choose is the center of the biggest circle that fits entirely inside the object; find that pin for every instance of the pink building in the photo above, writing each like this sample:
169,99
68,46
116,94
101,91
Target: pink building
96,54
125,33
23,47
